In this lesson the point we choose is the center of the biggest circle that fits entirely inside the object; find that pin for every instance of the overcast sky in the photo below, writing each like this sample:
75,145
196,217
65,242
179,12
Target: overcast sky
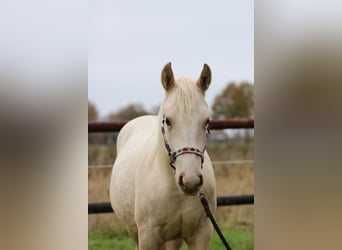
131,41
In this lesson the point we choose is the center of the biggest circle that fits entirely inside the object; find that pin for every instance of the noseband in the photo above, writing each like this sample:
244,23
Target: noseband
186,150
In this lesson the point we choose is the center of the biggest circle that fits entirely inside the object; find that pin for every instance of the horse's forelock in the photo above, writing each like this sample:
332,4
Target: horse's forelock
185,97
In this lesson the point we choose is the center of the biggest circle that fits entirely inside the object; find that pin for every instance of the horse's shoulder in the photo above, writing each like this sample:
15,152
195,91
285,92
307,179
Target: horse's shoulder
145,119
138,129
141,123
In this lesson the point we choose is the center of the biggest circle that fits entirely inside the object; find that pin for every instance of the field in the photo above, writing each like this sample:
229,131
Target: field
239,239
105,232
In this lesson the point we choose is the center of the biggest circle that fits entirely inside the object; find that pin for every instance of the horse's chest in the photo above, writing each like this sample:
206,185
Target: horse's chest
168,213
182,222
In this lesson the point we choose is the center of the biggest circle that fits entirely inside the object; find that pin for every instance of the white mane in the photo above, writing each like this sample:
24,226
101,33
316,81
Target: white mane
184,97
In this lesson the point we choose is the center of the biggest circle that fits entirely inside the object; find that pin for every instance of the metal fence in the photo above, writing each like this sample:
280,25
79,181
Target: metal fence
101,127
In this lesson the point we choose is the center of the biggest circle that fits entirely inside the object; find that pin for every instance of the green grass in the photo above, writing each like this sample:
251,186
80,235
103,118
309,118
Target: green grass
239,239
108,238
98,241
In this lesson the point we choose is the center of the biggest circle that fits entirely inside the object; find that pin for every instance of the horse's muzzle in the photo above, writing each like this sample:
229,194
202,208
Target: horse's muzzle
190,188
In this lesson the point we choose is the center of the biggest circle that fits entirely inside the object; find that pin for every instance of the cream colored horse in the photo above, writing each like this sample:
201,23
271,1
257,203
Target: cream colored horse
157,200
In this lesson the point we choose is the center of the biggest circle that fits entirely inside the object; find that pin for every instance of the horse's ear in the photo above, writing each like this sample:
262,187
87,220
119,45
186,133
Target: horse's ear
205,78
167,77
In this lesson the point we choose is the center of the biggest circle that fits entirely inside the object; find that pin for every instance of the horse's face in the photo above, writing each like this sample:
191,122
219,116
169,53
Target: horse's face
186,119
184,134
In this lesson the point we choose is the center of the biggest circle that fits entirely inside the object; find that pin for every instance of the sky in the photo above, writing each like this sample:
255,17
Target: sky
129,42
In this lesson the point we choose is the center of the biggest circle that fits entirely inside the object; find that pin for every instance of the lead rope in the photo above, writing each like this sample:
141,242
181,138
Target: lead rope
212,219
190,150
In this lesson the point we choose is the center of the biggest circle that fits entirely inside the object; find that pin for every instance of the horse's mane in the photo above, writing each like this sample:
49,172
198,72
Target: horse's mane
184,96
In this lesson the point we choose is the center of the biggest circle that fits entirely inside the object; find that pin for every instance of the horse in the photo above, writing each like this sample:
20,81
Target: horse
162,166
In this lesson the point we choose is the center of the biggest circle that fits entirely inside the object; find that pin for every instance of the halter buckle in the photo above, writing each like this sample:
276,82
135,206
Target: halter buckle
172,156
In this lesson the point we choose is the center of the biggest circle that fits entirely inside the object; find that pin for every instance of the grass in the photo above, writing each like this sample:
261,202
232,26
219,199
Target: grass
239,239
98,241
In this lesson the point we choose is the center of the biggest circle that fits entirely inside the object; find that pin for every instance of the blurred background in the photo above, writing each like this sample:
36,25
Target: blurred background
129,43
128,46
44,82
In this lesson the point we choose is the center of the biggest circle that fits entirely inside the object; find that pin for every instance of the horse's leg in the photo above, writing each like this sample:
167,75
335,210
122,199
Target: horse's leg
173,245
202,238
149,239
134,235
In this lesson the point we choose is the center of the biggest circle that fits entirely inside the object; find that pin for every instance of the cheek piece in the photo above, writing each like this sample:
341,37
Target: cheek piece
186,150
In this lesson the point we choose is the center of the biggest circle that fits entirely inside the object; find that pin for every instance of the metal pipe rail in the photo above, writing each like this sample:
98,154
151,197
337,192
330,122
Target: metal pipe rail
96,127
105,207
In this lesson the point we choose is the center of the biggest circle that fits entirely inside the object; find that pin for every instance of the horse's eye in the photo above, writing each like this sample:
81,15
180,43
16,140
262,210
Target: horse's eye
167,121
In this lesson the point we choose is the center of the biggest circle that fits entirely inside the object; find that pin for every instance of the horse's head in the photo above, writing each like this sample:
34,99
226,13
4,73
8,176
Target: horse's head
185,120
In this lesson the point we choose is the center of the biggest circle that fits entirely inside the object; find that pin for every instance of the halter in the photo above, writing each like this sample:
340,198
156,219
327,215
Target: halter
186,150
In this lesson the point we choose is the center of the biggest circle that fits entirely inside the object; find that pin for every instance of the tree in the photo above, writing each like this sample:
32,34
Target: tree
235,101
128,113
92,112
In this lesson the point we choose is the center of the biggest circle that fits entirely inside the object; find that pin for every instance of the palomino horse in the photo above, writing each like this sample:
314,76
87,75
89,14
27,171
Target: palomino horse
162,165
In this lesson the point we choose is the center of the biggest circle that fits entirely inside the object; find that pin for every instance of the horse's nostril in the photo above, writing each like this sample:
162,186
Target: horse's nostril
190,186
181,180
201,180
191,183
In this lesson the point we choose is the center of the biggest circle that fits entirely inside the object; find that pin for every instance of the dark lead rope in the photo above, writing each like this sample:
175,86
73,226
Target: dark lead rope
212,219
190,150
